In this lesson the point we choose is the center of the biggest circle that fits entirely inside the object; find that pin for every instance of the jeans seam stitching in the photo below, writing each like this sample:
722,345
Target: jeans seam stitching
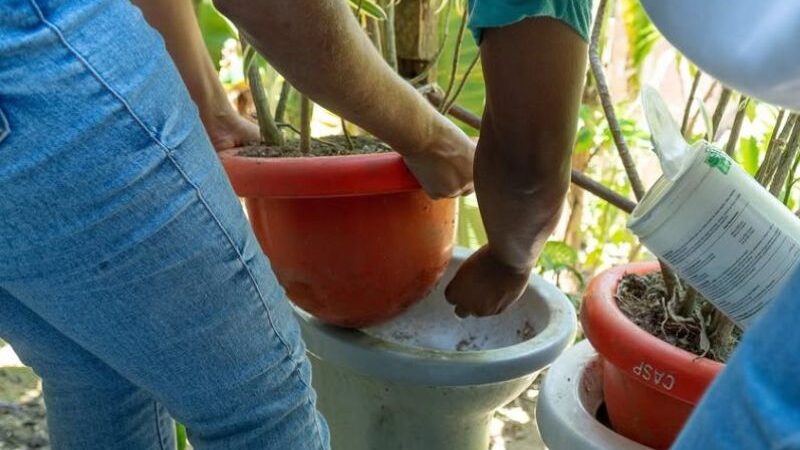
54,28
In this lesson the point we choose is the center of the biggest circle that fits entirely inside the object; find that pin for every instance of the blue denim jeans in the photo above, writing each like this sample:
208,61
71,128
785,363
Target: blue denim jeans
130,279
755,402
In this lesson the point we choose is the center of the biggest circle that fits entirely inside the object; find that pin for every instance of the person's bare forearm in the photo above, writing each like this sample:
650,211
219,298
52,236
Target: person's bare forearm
534,74
319,47
175,20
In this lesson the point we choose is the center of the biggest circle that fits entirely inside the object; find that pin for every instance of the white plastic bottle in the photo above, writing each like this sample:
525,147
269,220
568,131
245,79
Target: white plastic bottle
718,229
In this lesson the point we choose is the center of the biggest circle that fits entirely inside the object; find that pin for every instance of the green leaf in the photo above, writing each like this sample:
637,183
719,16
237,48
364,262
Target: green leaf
557,256
642,37
750,109
180,436
748,154
369,8
214,28
471,233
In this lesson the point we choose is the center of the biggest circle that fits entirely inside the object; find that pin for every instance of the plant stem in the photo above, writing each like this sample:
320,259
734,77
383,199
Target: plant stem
789,153
724,98
283,100
689,101
306,111
613,124
456,57
270,135
770,156
720,331
608,106
374,32
346,133
701,107
771,166
686,305
389,36
671,281
791,180
463,82
736,128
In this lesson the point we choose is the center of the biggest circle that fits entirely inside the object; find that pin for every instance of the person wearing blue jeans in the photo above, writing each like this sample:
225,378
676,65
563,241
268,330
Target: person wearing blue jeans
130,279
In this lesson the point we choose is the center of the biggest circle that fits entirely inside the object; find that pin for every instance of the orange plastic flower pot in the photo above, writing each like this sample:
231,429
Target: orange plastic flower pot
353,239
650,386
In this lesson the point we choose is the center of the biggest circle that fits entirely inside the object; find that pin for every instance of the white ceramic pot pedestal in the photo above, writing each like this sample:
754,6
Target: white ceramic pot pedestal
428,380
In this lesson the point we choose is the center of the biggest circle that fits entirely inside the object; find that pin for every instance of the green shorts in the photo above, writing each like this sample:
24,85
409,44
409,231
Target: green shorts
498,13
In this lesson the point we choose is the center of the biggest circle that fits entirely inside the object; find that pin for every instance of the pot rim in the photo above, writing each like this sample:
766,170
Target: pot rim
318,176
388,360
628,347
572,388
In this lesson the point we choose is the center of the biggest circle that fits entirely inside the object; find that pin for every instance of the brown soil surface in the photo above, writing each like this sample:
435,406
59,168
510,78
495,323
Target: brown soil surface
325,146
643,299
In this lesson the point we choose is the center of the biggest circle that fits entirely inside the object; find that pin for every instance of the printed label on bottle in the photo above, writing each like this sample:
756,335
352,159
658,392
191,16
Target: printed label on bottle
736,258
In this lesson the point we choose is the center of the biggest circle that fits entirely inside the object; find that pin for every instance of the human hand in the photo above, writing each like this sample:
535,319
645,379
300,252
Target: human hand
230,130
443,166
485,286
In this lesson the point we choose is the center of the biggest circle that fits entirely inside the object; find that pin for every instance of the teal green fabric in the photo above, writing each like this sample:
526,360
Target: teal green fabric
498,13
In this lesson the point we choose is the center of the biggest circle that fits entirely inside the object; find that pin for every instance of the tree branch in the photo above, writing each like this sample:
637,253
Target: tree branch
608,107
578,178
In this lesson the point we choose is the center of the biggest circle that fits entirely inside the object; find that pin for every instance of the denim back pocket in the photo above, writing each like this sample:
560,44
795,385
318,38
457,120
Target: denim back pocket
5,129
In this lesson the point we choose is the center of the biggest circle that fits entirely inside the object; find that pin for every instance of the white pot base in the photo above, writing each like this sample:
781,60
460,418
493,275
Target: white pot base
405,385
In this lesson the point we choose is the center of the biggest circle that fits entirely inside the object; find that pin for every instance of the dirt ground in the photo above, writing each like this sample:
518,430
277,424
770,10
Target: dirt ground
22,414
23,423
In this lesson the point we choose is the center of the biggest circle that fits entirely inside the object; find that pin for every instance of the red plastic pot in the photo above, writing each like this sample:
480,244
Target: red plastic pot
650,386
353,239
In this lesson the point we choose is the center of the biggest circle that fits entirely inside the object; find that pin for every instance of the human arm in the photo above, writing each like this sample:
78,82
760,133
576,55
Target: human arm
522,166
320,48
177,23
